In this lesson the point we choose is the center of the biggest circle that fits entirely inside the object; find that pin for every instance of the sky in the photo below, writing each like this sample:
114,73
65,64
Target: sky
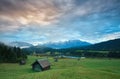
42,21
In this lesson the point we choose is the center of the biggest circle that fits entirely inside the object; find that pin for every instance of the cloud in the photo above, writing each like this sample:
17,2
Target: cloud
25,12
47,12
59,20
29,11
107,37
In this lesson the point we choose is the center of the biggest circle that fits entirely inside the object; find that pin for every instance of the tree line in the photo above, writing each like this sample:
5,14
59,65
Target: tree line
11,54
74,52
90,53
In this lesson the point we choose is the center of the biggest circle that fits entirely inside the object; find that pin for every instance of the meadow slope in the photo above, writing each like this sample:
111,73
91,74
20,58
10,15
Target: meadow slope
64,69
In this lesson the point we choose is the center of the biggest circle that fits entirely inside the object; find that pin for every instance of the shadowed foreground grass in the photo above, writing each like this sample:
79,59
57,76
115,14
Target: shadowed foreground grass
64,69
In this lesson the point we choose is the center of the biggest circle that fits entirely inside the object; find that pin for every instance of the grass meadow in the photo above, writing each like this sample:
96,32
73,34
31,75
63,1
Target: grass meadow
64,69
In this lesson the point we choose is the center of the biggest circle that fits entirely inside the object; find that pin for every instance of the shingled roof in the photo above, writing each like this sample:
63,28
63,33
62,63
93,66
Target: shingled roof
43,63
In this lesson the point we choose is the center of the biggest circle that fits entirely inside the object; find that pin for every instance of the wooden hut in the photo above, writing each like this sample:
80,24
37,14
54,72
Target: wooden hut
22,62
56,59
41,65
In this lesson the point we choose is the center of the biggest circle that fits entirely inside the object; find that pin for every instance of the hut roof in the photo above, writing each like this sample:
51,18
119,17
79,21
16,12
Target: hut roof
43,63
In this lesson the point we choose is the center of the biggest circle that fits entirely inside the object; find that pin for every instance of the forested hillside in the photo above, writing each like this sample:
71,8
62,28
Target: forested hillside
112,45
11,54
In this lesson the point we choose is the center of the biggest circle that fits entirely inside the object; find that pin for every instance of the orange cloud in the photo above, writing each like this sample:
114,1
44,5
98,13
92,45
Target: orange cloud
29,11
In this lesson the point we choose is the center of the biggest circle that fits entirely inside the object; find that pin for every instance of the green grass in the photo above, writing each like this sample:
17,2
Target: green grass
64,69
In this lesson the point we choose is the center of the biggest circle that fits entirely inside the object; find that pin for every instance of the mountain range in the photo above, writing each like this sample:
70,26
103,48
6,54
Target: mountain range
54,45
77,44
66,44
20,44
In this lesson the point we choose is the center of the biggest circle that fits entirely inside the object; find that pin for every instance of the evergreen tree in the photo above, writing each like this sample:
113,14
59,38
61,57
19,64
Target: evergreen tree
11,54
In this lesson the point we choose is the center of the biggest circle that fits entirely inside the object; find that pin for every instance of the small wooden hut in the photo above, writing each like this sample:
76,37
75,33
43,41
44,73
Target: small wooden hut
56,59
22,62
41,65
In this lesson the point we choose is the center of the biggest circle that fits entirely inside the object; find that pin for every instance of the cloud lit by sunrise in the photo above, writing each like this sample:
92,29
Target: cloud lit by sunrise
58,20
